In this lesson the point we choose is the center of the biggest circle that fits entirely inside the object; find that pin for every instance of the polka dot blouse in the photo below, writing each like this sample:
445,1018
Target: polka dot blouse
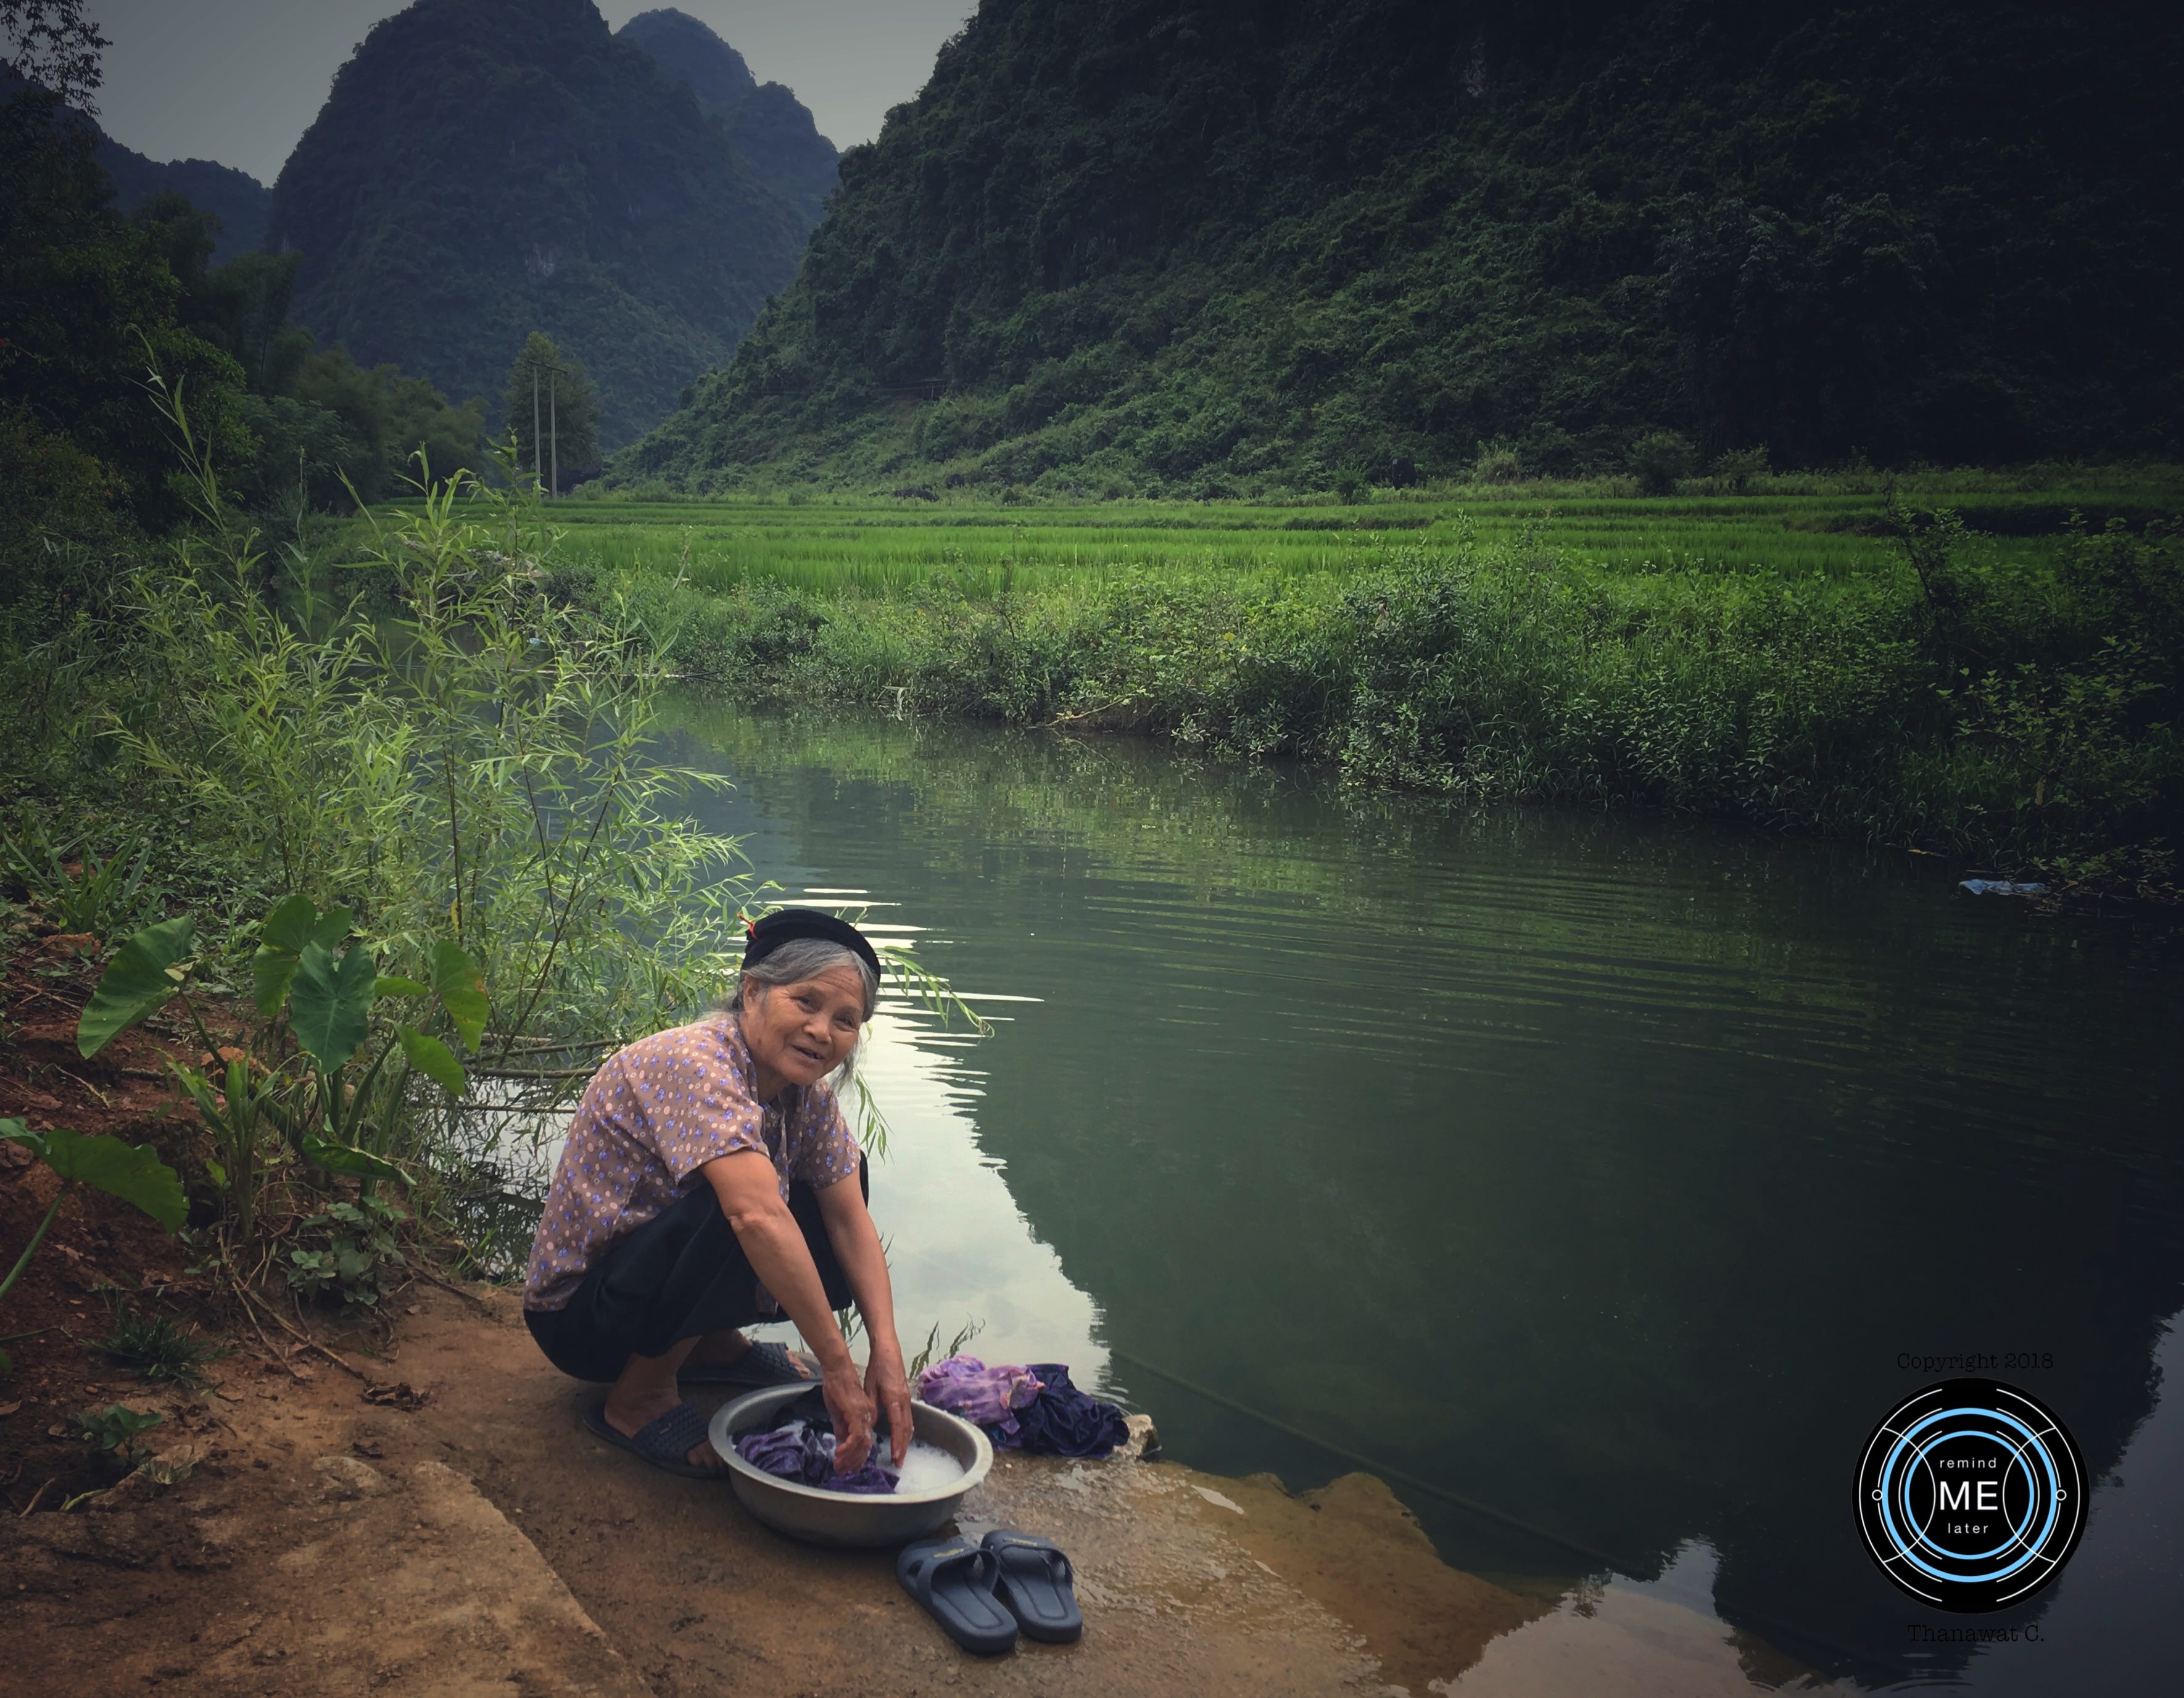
651,1118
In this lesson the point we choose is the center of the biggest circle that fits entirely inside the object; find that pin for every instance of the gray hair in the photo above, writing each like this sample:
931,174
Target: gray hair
806,958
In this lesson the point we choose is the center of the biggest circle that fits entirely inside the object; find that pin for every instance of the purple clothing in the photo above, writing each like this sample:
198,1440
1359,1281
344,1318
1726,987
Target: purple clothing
1062,1421
652,1117
799,1452
1034,1408
985,1397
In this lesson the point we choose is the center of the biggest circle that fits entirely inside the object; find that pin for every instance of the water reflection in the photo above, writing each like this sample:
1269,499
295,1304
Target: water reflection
1596,1173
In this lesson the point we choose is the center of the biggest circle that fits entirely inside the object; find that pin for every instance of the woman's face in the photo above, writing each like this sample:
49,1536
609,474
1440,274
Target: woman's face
802,1031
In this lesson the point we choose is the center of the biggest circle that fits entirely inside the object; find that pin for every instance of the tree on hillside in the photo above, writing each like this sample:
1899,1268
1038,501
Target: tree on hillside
87,302
549,408
52,43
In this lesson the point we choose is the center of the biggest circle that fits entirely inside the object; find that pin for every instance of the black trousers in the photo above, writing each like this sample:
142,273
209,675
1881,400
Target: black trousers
680,1275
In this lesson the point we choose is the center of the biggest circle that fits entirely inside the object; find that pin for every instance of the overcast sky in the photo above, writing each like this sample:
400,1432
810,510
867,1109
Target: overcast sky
239,80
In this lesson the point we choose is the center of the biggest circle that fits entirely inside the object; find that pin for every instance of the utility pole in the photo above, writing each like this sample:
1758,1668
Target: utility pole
534,424
553,429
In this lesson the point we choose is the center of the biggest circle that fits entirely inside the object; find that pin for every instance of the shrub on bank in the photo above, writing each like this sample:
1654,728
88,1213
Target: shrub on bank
2017,712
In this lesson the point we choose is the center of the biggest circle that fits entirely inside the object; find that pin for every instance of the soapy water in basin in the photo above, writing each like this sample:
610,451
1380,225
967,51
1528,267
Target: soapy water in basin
926,1468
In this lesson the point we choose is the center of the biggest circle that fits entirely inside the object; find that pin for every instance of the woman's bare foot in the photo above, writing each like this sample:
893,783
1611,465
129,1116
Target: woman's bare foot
646,1391
727,1348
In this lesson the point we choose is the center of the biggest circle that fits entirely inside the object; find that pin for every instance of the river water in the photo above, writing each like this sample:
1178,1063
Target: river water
1598,1182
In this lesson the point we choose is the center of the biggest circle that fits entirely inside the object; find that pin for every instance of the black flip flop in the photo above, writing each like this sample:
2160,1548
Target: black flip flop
756,1368
664,1442
1034,1579
953,1579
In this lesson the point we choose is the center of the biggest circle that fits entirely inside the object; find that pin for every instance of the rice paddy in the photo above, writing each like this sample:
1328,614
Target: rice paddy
886,545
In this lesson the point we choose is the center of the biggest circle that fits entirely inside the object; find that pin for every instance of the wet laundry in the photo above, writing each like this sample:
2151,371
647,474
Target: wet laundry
985,1397
1034,1408
800,1447
805,1455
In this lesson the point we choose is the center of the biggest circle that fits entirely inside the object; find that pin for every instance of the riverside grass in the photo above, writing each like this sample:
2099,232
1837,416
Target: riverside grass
1822,654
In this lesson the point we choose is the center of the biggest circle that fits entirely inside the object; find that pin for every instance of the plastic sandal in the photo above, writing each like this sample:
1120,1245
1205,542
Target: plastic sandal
757,1367
1034,1585
663,1443
953,1579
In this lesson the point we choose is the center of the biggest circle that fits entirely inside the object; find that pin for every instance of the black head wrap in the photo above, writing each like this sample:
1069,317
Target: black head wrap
786,925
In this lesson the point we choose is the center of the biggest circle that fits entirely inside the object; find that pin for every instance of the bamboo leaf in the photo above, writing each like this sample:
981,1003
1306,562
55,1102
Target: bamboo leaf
144,974
461,990
434,1060
393,984
330,1004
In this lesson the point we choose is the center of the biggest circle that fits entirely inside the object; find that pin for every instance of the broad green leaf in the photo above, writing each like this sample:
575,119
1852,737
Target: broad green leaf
461,990
215,1172
292,926
334,925
131,1171
22,1133
281,936
390,984
145,972
270,971
330,1003
287,929
344,1158
434,1060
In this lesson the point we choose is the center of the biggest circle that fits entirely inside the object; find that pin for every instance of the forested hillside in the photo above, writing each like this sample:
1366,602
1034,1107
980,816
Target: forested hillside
487,168
237,199
770,127
1260,244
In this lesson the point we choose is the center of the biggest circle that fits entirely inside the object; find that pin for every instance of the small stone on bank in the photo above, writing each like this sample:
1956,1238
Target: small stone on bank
346,1479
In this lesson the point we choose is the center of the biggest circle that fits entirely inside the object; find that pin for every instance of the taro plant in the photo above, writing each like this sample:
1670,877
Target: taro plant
131,1171
312,1072
117,1432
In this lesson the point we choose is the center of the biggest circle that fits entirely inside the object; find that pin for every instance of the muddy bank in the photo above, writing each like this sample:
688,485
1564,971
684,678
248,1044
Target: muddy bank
476,1541
481,1542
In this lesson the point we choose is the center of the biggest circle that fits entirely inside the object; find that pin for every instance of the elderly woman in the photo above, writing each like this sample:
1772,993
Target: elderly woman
710,1182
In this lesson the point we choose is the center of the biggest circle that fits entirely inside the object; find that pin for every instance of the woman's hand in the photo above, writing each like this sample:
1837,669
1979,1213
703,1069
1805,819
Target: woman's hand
856,1241
852,1412
890,1387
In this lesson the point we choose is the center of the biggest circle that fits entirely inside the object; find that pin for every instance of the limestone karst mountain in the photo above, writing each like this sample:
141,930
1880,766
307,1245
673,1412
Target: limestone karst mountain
770,128
483,169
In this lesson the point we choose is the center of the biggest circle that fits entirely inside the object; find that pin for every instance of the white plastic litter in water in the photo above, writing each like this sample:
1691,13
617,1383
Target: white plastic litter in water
927,1468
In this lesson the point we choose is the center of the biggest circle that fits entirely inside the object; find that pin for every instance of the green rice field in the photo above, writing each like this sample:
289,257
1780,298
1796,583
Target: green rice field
884,545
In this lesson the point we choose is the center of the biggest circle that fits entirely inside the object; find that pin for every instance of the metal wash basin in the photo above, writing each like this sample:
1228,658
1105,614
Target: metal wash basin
844,1519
